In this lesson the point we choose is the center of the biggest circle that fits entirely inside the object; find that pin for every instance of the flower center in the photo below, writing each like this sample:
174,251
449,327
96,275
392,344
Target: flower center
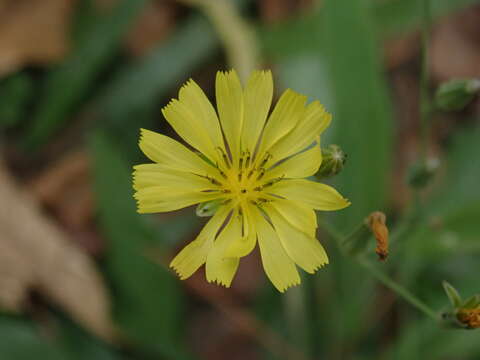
244,180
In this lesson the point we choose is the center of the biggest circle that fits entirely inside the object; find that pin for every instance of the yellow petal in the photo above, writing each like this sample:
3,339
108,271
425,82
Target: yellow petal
279,267
285,116
245,244
221,269
162,199
230,107
297,214
188,125
312,125
318,196
194,98
302,165
258,99
148,175
166,151
305,250
195,254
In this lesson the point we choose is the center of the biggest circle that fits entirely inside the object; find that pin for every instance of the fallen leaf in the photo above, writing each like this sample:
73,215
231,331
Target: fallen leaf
33,32
153,26
36,254
455,46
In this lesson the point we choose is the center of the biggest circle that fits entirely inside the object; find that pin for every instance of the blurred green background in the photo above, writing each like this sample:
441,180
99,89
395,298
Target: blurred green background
82,276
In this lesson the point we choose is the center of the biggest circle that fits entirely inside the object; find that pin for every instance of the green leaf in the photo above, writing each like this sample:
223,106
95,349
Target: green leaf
472,302
148,301
453,295
390,17
20,340
362,116
394,17
67,84
15,93
139,84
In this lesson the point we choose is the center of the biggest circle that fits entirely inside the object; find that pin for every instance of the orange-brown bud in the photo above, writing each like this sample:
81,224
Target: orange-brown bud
377,223
469,317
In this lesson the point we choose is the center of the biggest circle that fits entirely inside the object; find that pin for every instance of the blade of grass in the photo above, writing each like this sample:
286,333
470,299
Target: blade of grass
69,83
148,299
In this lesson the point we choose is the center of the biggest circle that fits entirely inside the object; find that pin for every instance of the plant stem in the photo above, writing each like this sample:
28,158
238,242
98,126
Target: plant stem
384,278
237,36
399,289
425,100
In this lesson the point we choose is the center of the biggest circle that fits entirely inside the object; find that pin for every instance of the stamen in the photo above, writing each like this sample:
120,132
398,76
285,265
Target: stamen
267,157
274,181
213,181
226,160
261,173
247,161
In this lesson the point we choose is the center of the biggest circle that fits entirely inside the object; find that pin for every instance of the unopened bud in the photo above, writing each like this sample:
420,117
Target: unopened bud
333,161
469,317
208,208
464,314
456,94
422,173
453,295
376,221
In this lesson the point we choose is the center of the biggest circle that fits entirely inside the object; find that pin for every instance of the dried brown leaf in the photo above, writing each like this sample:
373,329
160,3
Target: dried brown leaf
33,32
455,46
35,253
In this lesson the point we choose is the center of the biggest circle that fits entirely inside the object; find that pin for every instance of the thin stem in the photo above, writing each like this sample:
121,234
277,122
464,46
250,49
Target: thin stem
384,278
399,289
237,36
425,100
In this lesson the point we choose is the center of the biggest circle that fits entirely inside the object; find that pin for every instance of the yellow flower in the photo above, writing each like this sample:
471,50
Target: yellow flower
251,168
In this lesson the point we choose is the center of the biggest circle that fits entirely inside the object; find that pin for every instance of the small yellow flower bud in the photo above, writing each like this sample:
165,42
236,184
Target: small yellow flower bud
456,94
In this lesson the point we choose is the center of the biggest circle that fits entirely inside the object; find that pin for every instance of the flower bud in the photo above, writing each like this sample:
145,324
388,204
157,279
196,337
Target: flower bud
456,94
469,317
422,173
357,242
464,314
208,208
333,161
376,221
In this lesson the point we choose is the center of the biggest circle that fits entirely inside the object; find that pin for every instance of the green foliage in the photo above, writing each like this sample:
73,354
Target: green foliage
69,83
147,297
331,55
456,94
15,93
361,126
390,18
21,340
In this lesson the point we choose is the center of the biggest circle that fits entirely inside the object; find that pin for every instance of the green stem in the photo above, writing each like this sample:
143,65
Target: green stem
425,101
399,289
384,278
238,37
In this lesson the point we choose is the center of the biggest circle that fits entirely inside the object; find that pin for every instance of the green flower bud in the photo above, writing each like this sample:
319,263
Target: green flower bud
208,208
422,173
333,161
456,94
452,294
